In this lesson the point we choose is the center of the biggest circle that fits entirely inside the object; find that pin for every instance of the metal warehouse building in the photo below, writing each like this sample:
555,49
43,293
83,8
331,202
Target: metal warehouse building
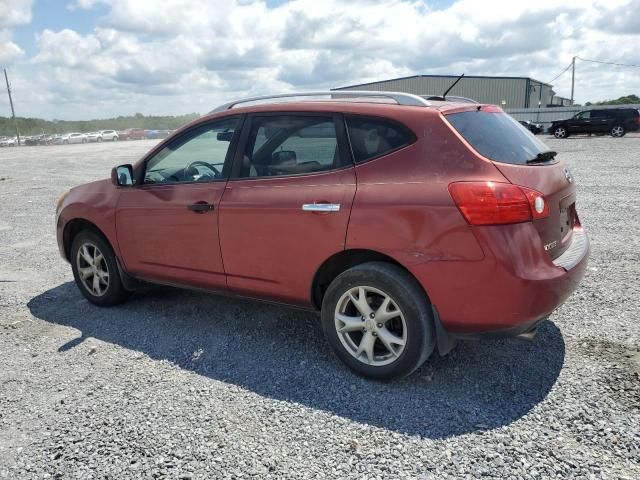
509,92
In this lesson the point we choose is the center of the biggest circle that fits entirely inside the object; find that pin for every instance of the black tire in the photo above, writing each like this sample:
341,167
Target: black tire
617,131
560,132
409,298
115,292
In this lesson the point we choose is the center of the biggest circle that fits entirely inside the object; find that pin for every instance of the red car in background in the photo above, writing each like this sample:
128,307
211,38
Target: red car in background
131,134
407,223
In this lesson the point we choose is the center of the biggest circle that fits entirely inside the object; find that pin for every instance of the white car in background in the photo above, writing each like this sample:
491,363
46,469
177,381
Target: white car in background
8,142
74,138
94,137
109,135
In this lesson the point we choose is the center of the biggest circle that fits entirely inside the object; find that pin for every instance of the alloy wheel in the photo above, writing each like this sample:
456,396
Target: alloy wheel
370,326
617,131
560,132
92,269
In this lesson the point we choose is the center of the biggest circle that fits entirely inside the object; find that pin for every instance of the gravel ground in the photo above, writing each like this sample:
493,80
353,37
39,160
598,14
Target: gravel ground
184,385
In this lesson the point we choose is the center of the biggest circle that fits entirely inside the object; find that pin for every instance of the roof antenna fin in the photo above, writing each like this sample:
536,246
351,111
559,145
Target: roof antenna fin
444,95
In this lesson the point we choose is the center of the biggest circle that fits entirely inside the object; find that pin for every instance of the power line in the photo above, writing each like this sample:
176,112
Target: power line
609,63
557,76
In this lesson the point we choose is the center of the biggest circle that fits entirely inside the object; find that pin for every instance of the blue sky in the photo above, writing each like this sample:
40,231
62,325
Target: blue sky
97,58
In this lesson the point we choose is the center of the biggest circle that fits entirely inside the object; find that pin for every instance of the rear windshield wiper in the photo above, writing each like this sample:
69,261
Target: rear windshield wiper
543,157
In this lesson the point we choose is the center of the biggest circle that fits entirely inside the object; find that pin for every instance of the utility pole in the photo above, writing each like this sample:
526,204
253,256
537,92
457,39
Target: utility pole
573,76
13,113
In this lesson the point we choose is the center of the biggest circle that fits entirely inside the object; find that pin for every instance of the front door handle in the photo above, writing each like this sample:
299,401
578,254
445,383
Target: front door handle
200,207
321,207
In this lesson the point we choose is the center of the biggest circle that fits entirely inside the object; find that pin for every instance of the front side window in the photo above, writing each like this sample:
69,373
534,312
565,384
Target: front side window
197,156
290,145
583,115
374,137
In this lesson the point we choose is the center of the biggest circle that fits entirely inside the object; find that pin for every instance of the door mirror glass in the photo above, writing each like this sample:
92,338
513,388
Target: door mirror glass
283,157
122,176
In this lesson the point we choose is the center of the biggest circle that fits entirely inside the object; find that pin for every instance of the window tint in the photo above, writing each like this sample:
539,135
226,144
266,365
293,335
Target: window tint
600,113
372,137
197,156
290,145
583,115
497,136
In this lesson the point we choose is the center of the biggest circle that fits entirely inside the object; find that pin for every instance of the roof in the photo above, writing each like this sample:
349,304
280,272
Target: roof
441,76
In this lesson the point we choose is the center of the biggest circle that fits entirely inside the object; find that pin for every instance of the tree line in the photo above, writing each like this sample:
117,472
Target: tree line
625,100
35,126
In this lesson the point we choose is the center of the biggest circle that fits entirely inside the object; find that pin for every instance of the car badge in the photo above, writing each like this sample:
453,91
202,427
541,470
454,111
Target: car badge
568,175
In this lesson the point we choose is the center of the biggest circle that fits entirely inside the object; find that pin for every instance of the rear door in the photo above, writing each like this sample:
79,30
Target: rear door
167,226
600,120
286,208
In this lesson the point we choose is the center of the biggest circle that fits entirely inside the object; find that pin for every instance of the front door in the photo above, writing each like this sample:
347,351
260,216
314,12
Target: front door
580,123
286,208
167,227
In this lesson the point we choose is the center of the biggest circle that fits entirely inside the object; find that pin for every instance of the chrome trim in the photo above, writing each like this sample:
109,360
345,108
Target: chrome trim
321,207
400,98
575,253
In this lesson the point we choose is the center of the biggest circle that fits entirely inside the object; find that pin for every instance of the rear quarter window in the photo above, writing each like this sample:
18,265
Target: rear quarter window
497,136
374,137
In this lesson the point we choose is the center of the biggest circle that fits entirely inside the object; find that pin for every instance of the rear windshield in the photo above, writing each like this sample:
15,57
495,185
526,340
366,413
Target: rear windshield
497,136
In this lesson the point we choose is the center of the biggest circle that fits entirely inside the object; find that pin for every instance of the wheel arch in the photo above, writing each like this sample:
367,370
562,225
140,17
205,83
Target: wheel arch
342,261
74,227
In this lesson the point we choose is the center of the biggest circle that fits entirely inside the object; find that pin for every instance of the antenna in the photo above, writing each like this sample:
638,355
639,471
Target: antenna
444,95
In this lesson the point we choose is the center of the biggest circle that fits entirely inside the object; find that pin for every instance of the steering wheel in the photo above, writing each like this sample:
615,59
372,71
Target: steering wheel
192,167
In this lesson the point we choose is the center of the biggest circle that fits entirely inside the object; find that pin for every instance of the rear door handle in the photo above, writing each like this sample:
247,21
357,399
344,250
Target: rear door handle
200,207
321,207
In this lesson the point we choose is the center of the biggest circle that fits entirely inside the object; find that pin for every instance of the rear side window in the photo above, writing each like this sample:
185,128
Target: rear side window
497,136
374,137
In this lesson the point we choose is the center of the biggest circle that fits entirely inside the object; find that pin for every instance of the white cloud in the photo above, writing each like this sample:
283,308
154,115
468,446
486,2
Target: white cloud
177,56
13,13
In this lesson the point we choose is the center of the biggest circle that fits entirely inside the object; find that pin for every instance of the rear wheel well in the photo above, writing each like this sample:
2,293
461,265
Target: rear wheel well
340,262
73,228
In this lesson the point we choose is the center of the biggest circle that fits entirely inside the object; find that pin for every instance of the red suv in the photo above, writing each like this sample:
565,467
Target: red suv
407,223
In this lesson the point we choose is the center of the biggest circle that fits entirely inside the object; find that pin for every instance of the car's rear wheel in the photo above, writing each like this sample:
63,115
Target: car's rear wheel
617,131
377,319
560,132
95,270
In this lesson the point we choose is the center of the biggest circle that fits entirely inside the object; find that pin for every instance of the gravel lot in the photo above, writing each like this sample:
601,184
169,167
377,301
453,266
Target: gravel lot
185,385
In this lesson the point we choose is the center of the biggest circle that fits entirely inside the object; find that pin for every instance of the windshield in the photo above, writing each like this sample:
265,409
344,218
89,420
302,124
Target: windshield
497,136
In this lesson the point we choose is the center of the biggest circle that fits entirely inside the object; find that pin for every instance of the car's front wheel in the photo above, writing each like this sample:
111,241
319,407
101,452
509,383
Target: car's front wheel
617,131
377,319
95,270
560,132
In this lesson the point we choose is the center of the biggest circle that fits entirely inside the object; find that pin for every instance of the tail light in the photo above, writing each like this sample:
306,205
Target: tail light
493,203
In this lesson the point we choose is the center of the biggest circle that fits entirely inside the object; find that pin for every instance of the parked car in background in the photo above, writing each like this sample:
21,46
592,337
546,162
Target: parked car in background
74,138
131,134
9,142
94,137
614,121
109,135
408,225
33,140
534,128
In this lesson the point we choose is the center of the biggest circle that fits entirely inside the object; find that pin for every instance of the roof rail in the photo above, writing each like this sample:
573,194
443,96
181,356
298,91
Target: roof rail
449,98
400,97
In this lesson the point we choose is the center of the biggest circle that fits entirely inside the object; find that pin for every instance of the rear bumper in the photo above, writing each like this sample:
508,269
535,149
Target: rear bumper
511,290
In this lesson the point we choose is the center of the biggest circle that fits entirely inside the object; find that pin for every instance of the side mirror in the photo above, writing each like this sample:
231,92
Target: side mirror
122,176
282,157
